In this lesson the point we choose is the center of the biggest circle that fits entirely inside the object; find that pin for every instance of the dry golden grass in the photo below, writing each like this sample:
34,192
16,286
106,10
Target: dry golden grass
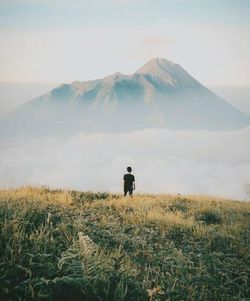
101,246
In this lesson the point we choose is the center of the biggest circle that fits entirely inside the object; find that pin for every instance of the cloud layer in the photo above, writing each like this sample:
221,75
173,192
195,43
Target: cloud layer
164,161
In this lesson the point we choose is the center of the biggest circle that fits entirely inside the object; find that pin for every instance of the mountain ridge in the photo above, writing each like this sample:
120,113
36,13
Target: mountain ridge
142,73
160,94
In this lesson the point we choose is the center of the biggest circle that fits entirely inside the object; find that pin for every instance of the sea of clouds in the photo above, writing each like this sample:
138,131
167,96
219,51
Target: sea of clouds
163,161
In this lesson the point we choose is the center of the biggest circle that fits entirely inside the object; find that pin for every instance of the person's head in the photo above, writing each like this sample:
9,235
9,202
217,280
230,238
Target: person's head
129,169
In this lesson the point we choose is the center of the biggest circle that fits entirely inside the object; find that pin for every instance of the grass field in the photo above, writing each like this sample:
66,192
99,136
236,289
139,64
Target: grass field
70,245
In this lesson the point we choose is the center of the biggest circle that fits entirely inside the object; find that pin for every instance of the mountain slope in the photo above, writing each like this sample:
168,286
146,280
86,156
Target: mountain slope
160,94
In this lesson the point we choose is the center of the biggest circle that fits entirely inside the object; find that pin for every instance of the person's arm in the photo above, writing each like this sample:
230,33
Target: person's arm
134,184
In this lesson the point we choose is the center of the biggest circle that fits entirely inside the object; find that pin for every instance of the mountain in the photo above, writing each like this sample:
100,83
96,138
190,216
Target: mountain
160,94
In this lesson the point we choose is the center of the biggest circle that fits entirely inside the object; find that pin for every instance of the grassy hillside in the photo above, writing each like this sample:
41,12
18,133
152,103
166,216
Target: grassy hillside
69,245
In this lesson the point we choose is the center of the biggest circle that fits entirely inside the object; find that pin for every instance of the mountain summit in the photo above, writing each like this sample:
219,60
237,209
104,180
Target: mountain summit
160,94
158,67
167,71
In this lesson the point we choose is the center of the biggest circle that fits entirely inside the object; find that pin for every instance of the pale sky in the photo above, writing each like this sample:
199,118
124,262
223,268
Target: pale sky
61,41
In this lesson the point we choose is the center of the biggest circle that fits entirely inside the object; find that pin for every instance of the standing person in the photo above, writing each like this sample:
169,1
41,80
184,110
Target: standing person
128,182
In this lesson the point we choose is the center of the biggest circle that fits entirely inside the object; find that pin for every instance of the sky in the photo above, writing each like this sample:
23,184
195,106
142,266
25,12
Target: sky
62,41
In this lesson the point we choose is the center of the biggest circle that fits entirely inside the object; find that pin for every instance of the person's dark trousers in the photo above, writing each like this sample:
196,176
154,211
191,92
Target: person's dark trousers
128,190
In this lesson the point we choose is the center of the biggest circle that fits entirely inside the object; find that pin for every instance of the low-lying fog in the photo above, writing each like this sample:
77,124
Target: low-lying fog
163,161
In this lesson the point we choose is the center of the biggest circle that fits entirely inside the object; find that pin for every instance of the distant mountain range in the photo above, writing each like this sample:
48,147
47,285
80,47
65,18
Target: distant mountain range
160,94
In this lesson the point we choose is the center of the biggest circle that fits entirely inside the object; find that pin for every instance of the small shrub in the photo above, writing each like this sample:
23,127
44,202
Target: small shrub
179,234
179,205
209,217
81,197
